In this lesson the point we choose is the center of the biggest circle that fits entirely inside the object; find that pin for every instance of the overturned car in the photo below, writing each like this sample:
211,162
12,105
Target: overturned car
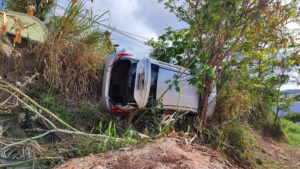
130,82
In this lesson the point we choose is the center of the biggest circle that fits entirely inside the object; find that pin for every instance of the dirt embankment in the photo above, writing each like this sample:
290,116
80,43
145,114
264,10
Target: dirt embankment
173,153
169,153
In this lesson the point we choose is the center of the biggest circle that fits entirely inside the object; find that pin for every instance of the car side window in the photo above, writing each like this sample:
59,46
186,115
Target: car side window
153,85
131,82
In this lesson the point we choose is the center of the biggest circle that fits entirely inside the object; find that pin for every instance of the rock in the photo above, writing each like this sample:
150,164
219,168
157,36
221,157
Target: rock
6,50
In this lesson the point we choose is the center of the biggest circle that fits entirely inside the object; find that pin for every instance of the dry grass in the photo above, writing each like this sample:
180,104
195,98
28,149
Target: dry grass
71,59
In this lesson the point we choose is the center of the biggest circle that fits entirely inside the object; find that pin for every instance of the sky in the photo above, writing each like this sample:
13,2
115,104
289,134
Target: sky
146,18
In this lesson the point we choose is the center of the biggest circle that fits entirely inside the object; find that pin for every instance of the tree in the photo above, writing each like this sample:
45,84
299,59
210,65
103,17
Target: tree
249,30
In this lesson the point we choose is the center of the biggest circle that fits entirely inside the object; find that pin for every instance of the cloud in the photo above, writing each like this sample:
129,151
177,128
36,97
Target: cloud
156,17
146,18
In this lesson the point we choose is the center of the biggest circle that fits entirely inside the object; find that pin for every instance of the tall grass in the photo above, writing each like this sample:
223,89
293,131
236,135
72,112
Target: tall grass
71,58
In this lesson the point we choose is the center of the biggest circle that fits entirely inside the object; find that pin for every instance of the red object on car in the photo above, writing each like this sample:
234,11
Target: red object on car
116,110
124,54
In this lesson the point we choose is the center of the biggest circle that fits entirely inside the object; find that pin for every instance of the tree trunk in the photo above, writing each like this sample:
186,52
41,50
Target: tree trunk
277,103
277,107
203,101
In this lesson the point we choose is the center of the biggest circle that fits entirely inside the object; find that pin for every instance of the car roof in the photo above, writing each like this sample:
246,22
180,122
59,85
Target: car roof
161,64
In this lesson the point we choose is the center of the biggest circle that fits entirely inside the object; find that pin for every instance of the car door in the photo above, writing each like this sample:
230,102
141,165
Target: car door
142,82
186,99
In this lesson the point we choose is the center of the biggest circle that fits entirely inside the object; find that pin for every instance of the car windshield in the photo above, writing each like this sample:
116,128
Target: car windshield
122,82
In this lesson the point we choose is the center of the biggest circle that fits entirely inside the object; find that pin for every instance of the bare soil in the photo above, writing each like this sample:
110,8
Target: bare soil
168,153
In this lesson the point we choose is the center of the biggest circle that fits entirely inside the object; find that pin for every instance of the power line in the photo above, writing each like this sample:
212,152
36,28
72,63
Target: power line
121,31
134,37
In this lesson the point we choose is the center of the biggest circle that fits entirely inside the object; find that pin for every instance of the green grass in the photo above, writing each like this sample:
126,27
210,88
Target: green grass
292,131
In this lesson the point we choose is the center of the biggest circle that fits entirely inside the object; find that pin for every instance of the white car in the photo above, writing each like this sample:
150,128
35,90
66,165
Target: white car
130,82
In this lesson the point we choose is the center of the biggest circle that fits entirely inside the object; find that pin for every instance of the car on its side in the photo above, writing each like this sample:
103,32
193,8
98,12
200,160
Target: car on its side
130,82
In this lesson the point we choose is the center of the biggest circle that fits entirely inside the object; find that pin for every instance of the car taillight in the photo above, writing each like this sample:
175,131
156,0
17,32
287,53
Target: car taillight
123,54
116,110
